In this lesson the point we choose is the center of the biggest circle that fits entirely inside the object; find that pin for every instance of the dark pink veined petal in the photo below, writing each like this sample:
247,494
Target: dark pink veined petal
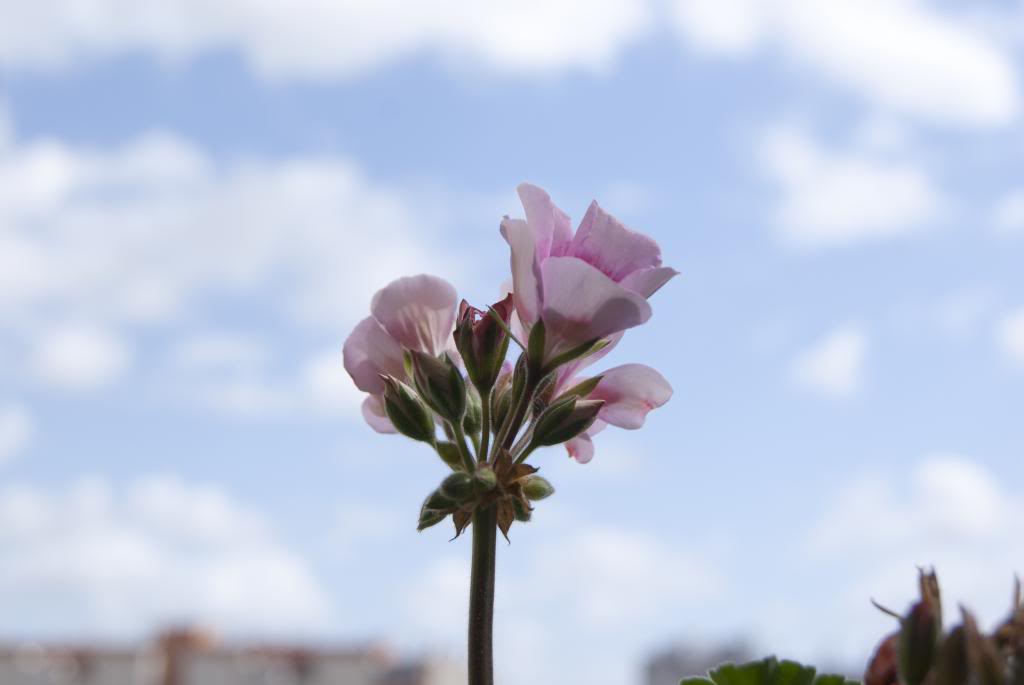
550,225
603,241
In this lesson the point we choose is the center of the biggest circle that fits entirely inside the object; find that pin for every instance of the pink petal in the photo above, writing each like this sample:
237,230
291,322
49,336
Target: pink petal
418,312
525,269
603,241
648,281
581,304
549,224
370,351
581,448
373,412
629,392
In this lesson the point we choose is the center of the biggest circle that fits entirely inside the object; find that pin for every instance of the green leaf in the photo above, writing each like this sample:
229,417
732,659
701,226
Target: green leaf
768,671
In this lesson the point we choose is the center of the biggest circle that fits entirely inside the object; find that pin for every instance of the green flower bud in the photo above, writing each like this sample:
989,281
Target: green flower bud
406,411
450,454
485,478
457,486
564,420
501,407
536,488
954,663
473,420
440,384
438,500
522,511
430,517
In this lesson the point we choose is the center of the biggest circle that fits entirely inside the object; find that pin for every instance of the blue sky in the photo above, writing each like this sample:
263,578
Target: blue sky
196,204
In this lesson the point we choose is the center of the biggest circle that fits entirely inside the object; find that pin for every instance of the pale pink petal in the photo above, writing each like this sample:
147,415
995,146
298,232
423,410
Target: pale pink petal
550,225
370,351
629,392
418,312
581,448
583,304
648,281
604,242
525,269
373,412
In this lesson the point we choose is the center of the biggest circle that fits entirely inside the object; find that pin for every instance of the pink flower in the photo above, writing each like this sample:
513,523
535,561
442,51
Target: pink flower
416,313
629,392
585,286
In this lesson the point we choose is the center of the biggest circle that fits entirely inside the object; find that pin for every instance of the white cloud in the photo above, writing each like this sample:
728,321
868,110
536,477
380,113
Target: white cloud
79,357
1010,337
238,375
951,512
834,365
16,429
900,54
127,561
832,198
144,235
315,39
1008,217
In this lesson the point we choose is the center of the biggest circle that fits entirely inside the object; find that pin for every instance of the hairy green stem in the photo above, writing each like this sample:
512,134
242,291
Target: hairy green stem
481,597
485,426
460,441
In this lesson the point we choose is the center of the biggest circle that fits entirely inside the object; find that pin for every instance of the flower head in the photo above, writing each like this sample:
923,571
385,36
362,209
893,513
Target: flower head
584,286
415,313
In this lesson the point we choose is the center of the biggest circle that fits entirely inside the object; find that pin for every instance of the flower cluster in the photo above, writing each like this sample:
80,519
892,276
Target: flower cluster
436,370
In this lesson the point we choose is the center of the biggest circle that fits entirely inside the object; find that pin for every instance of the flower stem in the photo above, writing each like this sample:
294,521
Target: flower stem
481,597
485,426
460,442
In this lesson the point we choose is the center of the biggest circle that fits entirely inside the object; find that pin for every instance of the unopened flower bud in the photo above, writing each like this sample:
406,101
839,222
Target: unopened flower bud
406,411
482,340
438,500
473,419
451,455
522,511
501,407
564,420
485,478
440,384
536,488
918,642
430,517
457,486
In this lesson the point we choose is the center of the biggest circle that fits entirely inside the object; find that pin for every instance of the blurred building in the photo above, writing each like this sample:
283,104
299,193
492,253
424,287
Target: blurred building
671,665
196,658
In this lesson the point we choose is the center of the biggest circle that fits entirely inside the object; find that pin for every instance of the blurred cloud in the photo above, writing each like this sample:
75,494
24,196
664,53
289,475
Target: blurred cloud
79,357
151,232
905,55
314,39
235,374
950,511
120,560
16,428
1010,337
834,365
834,198
607,586
1008,217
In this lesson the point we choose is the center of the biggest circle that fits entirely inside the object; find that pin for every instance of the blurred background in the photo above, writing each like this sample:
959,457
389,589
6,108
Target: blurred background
198,199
